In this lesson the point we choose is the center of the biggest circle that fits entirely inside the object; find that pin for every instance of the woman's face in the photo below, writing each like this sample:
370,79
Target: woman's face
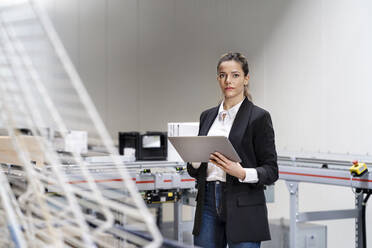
232,80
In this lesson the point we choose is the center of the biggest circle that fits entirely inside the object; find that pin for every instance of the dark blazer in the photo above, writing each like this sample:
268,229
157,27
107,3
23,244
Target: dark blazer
252,136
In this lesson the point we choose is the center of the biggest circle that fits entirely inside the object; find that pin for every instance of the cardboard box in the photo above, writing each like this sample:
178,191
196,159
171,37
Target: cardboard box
30,144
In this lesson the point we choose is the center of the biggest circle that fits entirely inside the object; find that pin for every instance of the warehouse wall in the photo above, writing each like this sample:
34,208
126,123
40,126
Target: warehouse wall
317,86
146,63
133,54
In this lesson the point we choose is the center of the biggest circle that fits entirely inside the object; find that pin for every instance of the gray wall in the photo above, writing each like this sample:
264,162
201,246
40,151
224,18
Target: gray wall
149,62
317,85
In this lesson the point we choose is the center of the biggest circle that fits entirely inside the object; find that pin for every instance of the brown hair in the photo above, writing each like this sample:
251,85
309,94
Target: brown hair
237,57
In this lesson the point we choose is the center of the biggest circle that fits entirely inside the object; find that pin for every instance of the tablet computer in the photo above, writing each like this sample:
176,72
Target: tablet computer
199,148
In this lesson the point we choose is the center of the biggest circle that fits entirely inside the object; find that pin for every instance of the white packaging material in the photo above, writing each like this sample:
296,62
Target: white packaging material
74,141
180,129
129,154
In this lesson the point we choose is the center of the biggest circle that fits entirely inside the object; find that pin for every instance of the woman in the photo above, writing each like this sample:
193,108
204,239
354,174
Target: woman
231,207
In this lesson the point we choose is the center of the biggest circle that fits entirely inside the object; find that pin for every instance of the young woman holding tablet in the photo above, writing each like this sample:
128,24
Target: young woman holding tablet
231,207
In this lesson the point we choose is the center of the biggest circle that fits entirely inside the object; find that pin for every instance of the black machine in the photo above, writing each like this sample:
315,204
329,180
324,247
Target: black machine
149,146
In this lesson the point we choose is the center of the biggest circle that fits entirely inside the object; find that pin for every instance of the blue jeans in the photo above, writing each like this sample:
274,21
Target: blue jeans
213,225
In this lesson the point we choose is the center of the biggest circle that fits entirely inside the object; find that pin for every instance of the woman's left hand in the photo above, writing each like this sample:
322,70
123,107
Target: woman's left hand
230,167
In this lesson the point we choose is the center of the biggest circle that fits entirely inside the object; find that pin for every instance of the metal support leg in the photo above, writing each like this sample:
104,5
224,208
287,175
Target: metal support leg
293,191
177,210
358,222
159,216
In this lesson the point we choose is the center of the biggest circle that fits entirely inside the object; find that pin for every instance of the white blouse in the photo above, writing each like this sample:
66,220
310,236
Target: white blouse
221,127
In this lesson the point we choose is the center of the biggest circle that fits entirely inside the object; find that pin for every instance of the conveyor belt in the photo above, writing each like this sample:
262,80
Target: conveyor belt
159,175
325,169
310,170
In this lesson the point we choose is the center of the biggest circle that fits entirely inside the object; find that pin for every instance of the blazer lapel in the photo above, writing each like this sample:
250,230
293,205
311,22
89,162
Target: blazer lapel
240,123
207,123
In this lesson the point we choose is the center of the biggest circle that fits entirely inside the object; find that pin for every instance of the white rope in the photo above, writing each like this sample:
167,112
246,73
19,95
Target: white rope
37,211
